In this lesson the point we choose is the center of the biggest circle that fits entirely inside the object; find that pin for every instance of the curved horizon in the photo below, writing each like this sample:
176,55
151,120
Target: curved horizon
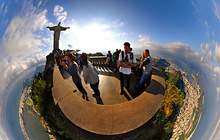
186,32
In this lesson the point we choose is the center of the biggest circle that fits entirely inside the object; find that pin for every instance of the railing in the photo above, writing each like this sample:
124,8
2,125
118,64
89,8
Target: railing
99,61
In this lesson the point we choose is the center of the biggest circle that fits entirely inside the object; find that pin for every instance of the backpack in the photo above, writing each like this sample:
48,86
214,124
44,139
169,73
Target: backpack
131,56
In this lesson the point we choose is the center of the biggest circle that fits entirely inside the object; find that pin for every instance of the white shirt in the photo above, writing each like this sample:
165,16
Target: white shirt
123,69
90,74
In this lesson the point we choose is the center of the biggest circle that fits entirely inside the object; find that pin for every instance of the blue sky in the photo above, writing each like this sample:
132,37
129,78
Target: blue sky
189,22
187,29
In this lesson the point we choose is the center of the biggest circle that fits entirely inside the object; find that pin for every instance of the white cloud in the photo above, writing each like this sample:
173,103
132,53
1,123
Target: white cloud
140,36
218,90
203,60
204,48
10,70
60,13
6,10
176,49
143,39
207,28
20,49
213,134
210,53
20,39
195,7
121,24
217,52
213,33
217,72
117,23
92,37
2,7
122,34
3,10
3,136
218,93
39,3
216,10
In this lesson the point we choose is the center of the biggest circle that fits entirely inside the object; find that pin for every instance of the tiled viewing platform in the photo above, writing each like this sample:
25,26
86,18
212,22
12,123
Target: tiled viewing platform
117,115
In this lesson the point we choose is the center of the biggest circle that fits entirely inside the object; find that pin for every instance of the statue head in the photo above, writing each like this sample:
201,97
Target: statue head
59,23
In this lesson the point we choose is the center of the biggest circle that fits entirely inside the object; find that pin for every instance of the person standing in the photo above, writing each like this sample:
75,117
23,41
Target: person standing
146,63
72,69
119,51
90,75
114,60
126,62
109,58
77,58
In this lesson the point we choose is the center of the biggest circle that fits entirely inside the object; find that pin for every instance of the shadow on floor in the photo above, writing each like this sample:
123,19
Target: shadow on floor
135,78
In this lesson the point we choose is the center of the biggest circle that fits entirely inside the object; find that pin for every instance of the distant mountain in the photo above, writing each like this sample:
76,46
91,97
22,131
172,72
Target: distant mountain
39,69
159,62
27,81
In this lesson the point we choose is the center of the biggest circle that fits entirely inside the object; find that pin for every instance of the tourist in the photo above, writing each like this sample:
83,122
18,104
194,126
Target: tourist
77,58
80,64
119,51
90,75
146,63
133,69
62,59
109,58
126,61
115,59
72,69
57,56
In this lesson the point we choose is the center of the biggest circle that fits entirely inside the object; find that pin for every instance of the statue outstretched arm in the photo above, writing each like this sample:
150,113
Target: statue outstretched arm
51,28
64,28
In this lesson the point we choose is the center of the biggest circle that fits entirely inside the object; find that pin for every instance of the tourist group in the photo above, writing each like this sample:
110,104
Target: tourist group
122,62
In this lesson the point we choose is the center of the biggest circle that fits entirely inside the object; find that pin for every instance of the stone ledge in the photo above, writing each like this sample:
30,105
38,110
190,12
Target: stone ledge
108,119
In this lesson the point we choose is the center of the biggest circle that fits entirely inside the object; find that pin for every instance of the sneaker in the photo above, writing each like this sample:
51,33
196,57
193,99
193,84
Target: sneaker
87,98
83,96
94,95
74,91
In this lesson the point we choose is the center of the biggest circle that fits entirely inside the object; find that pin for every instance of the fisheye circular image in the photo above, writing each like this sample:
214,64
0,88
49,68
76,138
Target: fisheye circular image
109,70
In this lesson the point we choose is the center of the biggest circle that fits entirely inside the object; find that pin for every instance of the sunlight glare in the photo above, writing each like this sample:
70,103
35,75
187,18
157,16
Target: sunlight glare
93,37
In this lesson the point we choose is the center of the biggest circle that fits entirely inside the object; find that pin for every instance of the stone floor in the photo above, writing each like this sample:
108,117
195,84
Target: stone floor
117,114
109,87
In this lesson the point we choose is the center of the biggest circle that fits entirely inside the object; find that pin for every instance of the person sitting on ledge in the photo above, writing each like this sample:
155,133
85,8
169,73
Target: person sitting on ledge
90,75
146,63
72,69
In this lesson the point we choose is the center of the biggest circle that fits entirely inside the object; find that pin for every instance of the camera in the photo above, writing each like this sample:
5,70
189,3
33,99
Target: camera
126,58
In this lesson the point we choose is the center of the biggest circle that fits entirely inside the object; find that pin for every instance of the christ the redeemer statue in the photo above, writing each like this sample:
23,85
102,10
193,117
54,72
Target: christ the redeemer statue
56,34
